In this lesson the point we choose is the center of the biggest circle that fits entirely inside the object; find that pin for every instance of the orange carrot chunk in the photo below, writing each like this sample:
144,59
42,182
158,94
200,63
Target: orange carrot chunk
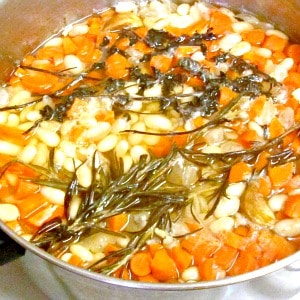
140,264
163,266
292,206
239,172
281,174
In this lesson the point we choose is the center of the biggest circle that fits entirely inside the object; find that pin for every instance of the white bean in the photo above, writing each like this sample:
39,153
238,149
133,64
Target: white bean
183,9
264,52
82,252
241,26
296,94
84,175
33,116
13,120
73,64
9,148
108,143
154,91
74,206
27,154
158,122
235,189
276,202
88,121
55,196
100,131
277,33
125,6
288,227
137,151
42,154
240,48
190,274
137,138
222,224
54,42
227,207
127,162
9,212
50,138
79,29
3,117
229,41
121,148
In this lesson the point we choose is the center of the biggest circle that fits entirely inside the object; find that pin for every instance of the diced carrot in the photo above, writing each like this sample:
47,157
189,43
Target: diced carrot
39,82
275,43
276,128
85,47
292,206
75,260
274,246
117,66
141,31
142,47
254,36
163,266
140,264
293,183
117,222
31,205
264,186
105,116
123,43
234,240
13,135
293,79
163,63
225,257
153,247
182,258
254,249
76,132
248,137
69,46
53,54
185,51
262,161
257,106
226,95
255,59
293,51
209,270
278,57
195,27
242,230
4,159
239,172
46,214
194,81
25,189
162,148
244,263
201,245
109,248
281,174
220,22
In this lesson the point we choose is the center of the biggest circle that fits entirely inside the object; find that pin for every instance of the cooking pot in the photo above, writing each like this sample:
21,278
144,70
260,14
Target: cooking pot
24,24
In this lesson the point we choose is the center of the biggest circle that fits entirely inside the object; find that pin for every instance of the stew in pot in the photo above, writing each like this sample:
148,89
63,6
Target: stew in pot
156,142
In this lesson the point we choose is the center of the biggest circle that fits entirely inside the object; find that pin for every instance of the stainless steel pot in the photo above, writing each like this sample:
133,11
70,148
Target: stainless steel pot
26,23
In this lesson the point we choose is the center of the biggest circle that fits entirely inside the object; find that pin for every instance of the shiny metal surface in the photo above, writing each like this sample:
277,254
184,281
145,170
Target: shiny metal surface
24,24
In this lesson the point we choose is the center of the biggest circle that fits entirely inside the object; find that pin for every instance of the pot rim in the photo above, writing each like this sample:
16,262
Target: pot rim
150,286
